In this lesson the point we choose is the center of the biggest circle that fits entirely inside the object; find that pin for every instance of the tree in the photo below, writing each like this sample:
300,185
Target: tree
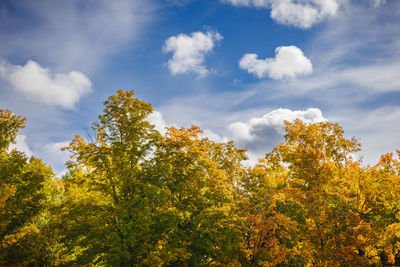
132,196
318,157
111,202
274,221
135,197
25,190
201,178
376,193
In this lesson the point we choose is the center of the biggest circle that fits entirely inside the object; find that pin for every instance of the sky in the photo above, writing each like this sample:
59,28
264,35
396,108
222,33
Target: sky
236,68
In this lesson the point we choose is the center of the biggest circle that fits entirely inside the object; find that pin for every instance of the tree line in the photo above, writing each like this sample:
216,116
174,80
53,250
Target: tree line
134,197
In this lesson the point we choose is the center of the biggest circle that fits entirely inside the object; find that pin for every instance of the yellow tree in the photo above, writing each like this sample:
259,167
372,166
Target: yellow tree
201,178
376,194
112,204
25,190
135,197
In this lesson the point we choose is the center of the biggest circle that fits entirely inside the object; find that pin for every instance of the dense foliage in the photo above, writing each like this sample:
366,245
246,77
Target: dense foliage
134,197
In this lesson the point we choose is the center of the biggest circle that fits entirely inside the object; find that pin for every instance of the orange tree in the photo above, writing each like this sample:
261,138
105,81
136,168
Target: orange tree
376,193
273,225
317,158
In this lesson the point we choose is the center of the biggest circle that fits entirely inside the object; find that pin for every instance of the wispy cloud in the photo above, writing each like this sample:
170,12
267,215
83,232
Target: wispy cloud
377,130
67,42
355,82
365,66
71,34
302,13
298,13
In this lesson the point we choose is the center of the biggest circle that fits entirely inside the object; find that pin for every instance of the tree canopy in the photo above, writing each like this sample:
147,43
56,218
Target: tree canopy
135,197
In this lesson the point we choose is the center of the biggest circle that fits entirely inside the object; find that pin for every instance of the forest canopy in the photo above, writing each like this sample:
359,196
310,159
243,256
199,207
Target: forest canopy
135,197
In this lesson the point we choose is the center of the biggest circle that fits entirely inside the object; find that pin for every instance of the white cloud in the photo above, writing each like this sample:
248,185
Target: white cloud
156,118
302,14
271,124
289,62
53,150
21,145
189,52
245,126
261,134
353,82
347,69
299,13
207,133
44,86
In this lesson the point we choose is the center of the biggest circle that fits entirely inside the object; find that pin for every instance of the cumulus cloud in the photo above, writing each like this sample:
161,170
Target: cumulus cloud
261,134
289,62
156,118
189,52
299,13
21,145
302,14
42,85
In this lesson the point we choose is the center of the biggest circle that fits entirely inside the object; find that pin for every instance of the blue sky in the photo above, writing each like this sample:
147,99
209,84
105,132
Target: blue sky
236,68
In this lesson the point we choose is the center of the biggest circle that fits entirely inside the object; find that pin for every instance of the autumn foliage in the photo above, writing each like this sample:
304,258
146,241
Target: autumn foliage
135,197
